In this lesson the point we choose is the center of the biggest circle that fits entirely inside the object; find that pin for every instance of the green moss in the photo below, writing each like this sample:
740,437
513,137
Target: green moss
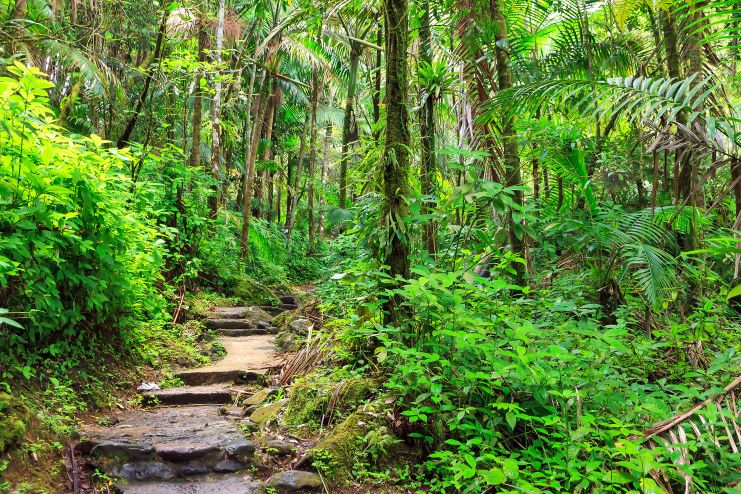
339,448
250,292
12,422
267,413
314,396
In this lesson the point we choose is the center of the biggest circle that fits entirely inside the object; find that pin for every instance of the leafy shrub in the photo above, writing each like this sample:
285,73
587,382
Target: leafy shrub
503,386
74,255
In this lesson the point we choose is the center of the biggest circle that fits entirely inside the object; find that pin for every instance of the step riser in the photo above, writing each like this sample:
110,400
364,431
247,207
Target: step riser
192,378
243,331
215,398
158,468
232,324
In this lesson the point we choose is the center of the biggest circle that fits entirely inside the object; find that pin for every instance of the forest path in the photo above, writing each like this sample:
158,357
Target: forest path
194,439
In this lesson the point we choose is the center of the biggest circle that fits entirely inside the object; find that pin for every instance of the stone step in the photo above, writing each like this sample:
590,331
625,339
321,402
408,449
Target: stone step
290,306
246,331
253,313
288,299
235,324
273,311
206,484
190,395
207,377
168,443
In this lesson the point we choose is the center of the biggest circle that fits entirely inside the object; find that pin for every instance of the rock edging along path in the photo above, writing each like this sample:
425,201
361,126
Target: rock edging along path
188,443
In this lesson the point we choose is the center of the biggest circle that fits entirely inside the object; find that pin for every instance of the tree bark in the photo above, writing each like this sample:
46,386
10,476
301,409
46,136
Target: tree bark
349,126
312,154
396,156
427,136
509,135
216,113
195,152
159,47
376,99
291,213
325,164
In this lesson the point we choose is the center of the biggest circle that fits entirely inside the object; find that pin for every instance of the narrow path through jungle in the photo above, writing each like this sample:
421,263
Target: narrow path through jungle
198,438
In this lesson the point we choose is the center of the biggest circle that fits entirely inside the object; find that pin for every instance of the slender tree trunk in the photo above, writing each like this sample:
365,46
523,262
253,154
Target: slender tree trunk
263,182
427,133
278,191
325,165
312,154
349,126
291,213
509,135
216,113
376,99
159,47
251,157
396,156
295,183
195,152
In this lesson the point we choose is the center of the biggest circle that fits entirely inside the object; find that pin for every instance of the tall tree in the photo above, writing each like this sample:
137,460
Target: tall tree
427,130
509,135
216,112
198,94
396,153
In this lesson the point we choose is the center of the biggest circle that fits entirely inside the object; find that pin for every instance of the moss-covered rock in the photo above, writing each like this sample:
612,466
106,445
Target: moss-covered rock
293,330
316,397
343,446
267,414
251,292
13,417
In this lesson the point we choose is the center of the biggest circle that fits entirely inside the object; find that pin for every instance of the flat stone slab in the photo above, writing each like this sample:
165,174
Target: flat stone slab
190,395
221,484
243,331
252,313
230,323
248,359
164,428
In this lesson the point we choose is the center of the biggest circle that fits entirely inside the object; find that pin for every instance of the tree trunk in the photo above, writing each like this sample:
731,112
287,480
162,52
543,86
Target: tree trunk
427,133
263,182
509,135
325,165
159,47
251,157
312,153
349,126
396,151
216,113
291,213
376,99
195,152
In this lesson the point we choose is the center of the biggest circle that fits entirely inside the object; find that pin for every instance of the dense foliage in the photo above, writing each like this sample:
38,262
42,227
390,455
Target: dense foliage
531,209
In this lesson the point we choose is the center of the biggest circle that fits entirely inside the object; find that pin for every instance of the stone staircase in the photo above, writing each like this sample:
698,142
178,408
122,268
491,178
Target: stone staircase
193,440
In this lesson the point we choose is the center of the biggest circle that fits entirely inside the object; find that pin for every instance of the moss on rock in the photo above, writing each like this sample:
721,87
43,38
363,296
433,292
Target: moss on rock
268,413
250,292
314,396
338,451
13,418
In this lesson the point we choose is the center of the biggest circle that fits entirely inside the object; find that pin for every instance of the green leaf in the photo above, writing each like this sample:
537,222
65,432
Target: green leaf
734,292
649,486
495,476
